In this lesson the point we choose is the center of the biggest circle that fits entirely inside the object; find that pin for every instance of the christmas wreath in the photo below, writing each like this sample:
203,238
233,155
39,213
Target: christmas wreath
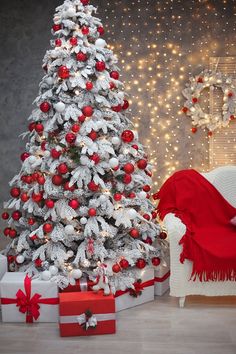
192,107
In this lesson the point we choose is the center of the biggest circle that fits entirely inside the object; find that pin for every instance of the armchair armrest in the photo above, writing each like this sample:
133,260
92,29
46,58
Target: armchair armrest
174,226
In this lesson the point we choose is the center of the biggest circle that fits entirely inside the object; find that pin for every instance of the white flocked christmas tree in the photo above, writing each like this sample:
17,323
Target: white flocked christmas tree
80,204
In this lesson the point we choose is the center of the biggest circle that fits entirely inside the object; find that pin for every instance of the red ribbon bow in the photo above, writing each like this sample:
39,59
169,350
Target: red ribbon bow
29,305
138,288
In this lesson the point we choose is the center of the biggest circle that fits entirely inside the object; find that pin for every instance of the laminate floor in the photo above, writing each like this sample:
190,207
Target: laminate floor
204,326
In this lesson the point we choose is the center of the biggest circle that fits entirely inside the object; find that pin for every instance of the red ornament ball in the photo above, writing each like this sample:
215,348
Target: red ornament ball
6,231
41,180
115,75
38,262
56,27
82,118
232,117
127,136
85,30
116,268
146,216
68,188
34,237
74,204
163,235
141,263
37,197
127,179
75,128
81,57
156,261
39,128
16,215
93,187
93,135
45,107
96,158
134,233
185,109
132,195
128,168
117,197
58,42
146,188
55,154
15,192
57,180
148,241
101,30
63,72
49,203
47,228
194,130
10,259
70,138
31,126
112,85
12,233
124,263
142,164
87,111
84,2
24,197
89,85
194,99
125,105
92,212
24,156
31,221
73,41
5,216
135,147
209,134
154,215
100,66
62,168
117,108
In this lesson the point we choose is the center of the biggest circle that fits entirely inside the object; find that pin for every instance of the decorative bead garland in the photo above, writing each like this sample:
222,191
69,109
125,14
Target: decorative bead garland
192,107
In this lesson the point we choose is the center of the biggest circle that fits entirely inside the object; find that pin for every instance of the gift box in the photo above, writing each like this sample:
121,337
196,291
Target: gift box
3,265
86,314
143,291
26,300
81,285
162,279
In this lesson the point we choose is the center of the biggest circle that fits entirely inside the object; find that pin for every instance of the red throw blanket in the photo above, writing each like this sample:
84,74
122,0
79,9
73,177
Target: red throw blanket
210,239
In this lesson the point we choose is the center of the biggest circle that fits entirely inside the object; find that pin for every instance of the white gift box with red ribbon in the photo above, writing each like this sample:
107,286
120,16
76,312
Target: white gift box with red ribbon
26,300
162,278
143,291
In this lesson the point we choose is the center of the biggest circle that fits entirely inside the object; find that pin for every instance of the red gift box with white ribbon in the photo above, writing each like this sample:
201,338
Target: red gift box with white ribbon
86,314
27,300
83,284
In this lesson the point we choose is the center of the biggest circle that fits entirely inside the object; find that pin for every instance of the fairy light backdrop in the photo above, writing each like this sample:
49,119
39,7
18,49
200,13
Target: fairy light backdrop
160,44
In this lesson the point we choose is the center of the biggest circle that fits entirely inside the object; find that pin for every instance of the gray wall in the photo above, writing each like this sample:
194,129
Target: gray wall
25,34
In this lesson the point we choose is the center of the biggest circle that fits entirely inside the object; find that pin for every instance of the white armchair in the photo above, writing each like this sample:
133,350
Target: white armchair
224,179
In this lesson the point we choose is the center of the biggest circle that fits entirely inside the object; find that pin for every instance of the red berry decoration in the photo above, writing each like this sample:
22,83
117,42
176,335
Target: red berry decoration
132,195
154,215
12,233
194,100
38,262
15,192
117,108
70,138
49,203
93,187
75,128
63,72
37,197
47,228
24,197
146,188
28,179
68,188
41,180
93,135
185,109
5,216
116,268
148,241
141,263
96,158
146,216
128,168
56,27
39,128
135,147
10,259
194,130
92,212
62,168
124,263
112,85
127,136
45,107
163,235
33,237
85,30
134,233
142,164
89,85
114,75
6,231
57,180
55,154
74,204
101,30
125,105
73,41
127,179
31,126
81,57
31,221
16,215
82,118
117,197
84,2
100,66
87,111
58,42
24,156
156,261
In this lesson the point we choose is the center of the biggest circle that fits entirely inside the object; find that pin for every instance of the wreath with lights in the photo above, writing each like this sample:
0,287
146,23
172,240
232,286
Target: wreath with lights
192,108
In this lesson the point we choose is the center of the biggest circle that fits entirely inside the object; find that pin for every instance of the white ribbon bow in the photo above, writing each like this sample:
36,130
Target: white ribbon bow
89,322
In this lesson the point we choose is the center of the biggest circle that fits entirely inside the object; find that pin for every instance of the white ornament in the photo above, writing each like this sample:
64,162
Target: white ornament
142,195
49,80
47,153
70,254
59,107
132,214
53,270
69,230
84,160
46,275
20,259
32,159
71,12
76,273
113,162
100,43
102,198
83,221
115,140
